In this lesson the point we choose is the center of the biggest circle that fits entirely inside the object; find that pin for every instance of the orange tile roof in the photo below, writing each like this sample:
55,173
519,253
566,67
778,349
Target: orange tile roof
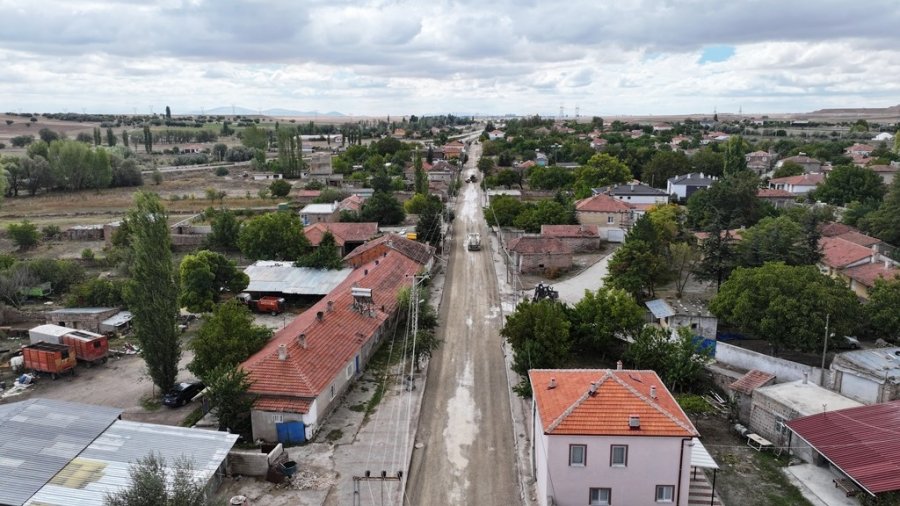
417,251
866,274
749,382
859,238
332,342
602,203
832,229
283,403
569,409
838,253
342,232
527,245
352,203
811,179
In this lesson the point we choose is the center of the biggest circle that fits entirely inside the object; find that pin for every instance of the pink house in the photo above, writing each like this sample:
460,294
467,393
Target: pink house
606,437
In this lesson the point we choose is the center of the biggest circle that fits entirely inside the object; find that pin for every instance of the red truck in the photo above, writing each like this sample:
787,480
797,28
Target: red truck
49,358
266,304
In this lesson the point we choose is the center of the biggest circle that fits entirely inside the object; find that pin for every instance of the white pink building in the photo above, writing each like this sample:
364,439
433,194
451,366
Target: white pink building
606,437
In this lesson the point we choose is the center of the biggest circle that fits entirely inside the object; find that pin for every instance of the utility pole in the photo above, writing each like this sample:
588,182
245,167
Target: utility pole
825,349
357,498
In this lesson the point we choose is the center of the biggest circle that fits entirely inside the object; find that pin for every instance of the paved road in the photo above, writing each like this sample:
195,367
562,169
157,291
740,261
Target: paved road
468,455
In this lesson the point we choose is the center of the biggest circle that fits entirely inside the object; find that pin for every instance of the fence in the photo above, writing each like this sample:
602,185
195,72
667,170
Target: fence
784,370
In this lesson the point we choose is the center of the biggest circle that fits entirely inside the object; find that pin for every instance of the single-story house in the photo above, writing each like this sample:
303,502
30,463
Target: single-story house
778,198
676,313
742,391
860,150
760,162
808,164
887,172
320,213
377,248
798,185
540,254
579,238
117,323
496,134
862,277
348,236
869,376
839,254
612,216
81,318
303,196
684,186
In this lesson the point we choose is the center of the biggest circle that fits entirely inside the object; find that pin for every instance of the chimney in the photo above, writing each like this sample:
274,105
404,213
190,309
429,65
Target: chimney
320,316
592,391
653,392
330,306
552,384
634,422
887,264
301,340
632,187
805,377
282,352
618,365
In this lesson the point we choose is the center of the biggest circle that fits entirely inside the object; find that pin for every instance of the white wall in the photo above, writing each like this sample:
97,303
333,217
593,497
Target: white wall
784,370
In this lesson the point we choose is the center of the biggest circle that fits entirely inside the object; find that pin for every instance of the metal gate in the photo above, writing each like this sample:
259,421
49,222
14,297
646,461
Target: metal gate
291,432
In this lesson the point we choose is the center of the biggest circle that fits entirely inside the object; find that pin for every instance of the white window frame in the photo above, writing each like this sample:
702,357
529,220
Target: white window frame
612,456
599,501
665,497
277,418
583,462
349,370
332,391
610,219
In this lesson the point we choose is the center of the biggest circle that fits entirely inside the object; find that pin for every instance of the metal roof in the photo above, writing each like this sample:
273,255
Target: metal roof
82,310
700,457
318,209
268,276
38,437
103,466
862,442
120,318
660,308
51,330
880,362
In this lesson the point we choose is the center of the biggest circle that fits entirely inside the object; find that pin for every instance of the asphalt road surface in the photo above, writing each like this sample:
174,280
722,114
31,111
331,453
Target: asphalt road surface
468,455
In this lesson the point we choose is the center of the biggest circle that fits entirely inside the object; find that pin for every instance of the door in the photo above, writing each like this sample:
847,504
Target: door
291,432
357,364
861,389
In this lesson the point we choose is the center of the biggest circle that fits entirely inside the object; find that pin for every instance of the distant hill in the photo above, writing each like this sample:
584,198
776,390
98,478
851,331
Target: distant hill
860,110
243,111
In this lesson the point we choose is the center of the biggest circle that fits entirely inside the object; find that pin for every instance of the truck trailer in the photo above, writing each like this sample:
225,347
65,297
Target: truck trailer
88,347
49,358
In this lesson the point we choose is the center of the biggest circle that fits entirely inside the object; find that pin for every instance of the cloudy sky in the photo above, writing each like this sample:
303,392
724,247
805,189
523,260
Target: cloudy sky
374,57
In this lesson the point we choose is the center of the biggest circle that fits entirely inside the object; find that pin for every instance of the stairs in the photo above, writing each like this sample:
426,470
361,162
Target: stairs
700,492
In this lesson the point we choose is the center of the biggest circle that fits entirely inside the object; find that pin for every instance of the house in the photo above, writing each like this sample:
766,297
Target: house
634,193
861,278
808,164
353,203
378,248
540,254
599,143
608,437
773,405
347,236
858,445
859,150
778,198
495,135
887,172
685,186
797,185
676,142
453,149
320,213
741,391
760,162
306,196
869,376
399,133
57,453
677,313
272,277
118,323
189,149
839,254
81,318
541,160
300,375
321,170
579,238
613,217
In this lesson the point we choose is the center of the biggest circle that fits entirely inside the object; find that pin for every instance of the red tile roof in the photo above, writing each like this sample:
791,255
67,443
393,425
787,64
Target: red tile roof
838,253
602,203
833,229
331,343
751,381
570,409
810,179
767,193
342,232
528,245
866,274
863,442
570,231
859,238
352,203
417,251
308,193
283,403
885,168
860,148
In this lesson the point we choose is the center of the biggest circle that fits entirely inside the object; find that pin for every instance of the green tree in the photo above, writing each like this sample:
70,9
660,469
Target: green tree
664,165
290,155
225,230
154,483
428,228
125,138
273,236
168,113
849,183
382,208
735,151
230,399
421,179
97,292
152,293
679,362
884,223
787,305
545,212
550,178
508,178
788,169
883,309
503,210
637,268
684,257
708,162
539,335
219,150
227,337
329,195
24,235
254,137
148,139
730,202
600,170
717,256
110,137
280,188
98,137
204,275
604,315
778,239
326,255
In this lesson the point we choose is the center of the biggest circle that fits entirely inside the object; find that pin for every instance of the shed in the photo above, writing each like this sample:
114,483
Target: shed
84,318
690,313
119,322
540,254
742,390
869,376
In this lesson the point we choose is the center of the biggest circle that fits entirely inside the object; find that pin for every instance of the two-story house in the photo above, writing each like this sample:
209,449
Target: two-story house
613,217
685,185
605,436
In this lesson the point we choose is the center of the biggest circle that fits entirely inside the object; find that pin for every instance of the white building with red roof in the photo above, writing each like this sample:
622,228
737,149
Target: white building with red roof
798,185
603,436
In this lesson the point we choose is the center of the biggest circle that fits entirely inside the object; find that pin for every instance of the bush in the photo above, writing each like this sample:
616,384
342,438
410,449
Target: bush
25,234
280,188
87,254
62,274
157,177
51,232
221,171
96,293
20,141
693,404
191,159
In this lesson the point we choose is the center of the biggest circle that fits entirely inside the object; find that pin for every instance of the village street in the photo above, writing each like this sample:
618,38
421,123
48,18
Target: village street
465,428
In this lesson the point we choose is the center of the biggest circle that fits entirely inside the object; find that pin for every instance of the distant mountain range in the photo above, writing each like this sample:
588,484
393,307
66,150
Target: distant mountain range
243,111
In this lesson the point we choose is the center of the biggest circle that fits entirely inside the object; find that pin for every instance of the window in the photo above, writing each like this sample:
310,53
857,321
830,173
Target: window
349,370
332,391
610,219
665,493
577,455
618,455
599,496
277,418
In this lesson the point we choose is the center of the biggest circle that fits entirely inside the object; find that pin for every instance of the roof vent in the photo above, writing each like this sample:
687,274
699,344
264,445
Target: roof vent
592,391
619,365
282,352
634,422
653,392
552,384
330,306
320,316
301,340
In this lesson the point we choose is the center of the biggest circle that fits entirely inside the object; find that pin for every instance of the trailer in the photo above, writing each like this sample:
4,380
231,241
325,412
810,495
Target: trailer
49,358
88,347
266,304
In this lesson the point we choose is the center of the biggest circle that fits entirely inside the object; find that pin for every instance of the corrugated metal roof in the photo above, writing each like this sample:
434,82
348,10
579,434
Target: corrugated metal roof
103,466
38,437
863,442
880,362
660,308
81,310
268,276
117,319
50,330
700,457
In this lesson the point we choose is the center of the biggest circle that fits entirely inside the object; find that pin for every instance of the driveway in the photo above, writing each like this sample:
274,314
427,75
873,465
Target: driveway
572,290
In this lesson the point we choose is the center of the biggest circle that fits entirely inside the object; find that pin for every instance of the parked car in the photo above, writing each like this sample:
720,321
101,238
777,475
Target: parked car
182,393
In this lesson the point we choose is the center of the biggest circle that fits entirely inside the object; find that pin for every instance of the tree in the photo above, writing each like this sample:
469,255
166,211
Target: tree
98,137
717,256
148,139
383,208
636,268
20,141
329,195
884,223
25,235
684,257
326,255
227,337
788,169
280,188
224,230
273,236
604,315
154,483
883,309
539,335
254,137
734,158
230,400
730,202
679,362
849,183
545,212
111,138
664,165
15,174
508,178
204,275
600,170
550,178
778,239
151,293
219,150
290,155
787,305
428,228
503,210
168,113
708,162
421,179
486,165
125,138
13,282
48,135
38,174
97,292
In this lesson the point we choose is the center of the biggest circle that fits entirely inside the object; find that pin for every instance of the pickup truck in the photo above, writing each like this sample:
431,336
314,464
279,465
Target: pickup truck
473,242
